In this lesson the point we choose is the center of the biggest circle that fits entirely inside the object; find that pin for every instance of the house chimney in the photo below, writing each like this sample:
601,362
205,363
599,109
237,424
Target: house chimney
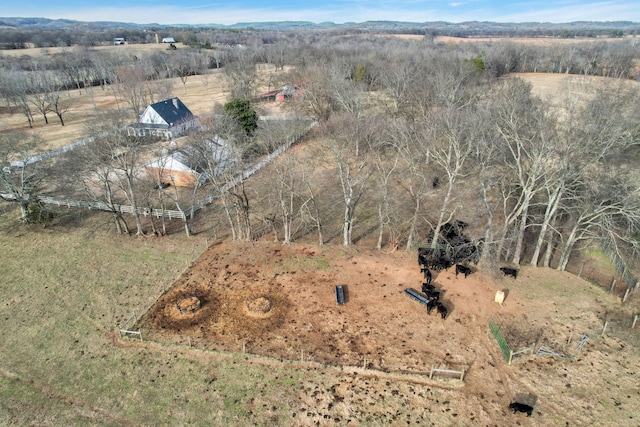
175,103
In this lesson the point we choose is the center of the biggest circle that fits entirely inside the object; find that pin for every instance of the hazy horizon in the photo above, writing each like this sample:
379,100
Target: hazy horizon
196,12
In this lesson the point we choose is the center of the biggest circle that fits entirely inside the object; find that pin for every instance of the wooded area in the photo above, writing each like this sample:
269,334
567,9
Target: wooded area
412,135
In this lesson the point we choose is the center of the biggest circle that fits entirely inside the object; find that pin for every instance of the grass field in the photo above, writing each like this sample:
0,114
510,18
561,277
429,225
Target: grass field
65,291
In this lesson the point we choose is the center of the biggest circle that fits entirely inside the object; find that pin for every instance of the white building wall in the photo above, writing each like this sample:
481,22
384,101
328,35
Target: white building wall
151,117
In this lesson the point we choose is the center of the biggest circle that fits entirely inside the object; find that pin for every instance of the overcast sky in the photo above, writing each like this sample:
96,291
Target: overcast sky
338,11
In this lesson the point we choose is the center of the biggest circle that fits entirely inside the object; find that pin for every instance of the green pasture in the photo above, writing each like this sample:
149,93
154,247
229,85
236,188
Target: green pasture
64,292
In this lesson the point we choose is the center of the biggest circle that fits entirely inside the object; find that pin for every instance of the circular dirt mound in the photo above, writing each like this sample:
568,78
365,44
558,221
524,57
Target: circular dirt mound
188,304
259,306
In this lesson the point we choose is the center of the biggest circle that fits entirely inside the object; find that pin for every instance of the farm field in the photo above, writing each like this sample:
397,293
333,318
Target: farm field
200,94
63,362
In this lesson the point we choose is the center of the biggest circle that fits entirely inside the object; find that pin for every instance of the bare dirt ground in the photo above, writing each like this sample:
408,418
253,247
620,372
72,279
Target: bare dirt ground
381,328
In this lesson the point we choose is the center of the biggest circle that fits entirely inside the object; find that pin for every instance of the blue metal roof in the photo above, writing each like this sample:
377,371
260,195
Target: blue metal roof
172,111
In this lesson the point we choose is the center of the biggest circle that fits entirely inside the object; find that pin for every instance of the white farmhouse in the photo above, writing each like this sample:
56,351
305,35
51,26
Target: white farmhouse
167,119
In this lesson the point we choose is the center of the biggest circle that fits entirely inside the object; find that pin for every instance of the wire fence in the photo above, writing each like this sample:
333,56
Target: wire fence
451,374
507,353
623,326
545,351
622,269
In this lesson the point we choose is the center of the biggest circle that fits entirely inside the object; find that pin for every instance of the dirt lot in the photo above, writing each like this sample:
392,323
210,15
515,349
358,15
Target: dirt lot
381,327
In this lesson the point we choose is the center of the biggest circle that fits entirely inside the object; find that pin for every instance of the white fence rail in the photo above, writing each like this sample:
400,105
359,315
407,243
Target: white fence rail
53,153
171,214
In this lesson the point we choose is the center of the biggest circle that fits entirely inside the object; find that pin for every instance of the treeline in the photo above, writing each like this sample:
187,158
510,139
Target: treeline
19,33
411,135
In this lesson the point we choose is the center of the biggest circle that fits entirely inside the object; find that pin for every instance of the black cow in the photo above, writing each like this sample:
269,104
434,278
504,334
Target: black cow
433,295
521,407
462,269
509,272
430,306
427,275
425,255
428,287
442,310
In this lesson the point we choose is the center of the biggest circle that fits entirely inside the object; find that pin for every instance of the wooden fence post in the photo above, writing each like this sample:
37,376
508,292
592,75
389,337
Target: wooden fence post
635,319
604,328
580,272
626,295
613,285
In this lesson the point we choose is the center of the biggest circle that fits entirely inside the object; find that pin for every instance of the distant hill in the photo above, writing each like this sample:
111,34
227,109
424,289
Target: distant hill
461,29
59,24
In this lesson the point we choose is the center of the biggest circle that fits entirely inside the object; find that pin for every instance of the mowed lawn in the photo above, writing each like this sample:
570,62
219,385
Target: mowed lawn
64,290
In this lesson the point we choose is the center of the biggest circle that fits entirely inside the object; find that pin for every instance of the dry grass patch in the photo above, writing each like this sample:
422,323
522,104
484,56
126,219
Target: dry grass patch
200,94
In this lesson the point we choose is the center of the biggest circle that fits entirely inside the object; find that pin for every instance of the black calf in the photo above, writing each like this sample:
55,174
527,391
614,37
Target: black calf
462,269
509,272
442,310
521,407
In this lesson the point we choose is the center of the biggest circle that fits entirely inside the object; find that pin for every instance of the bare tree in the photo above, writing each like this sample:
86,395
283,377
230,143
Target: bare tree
131,86
240,71
527,135
166,189
185,63
21,179
55,100
349,145
453,146
414,147
398,79
16,88
386,158
221,162
98,180
116,161
287,173
38,96
610,207
317,98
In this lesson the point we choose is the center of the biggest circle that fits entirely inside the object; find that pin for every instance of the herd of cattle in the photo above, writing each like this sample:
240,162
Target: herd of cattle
453,248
